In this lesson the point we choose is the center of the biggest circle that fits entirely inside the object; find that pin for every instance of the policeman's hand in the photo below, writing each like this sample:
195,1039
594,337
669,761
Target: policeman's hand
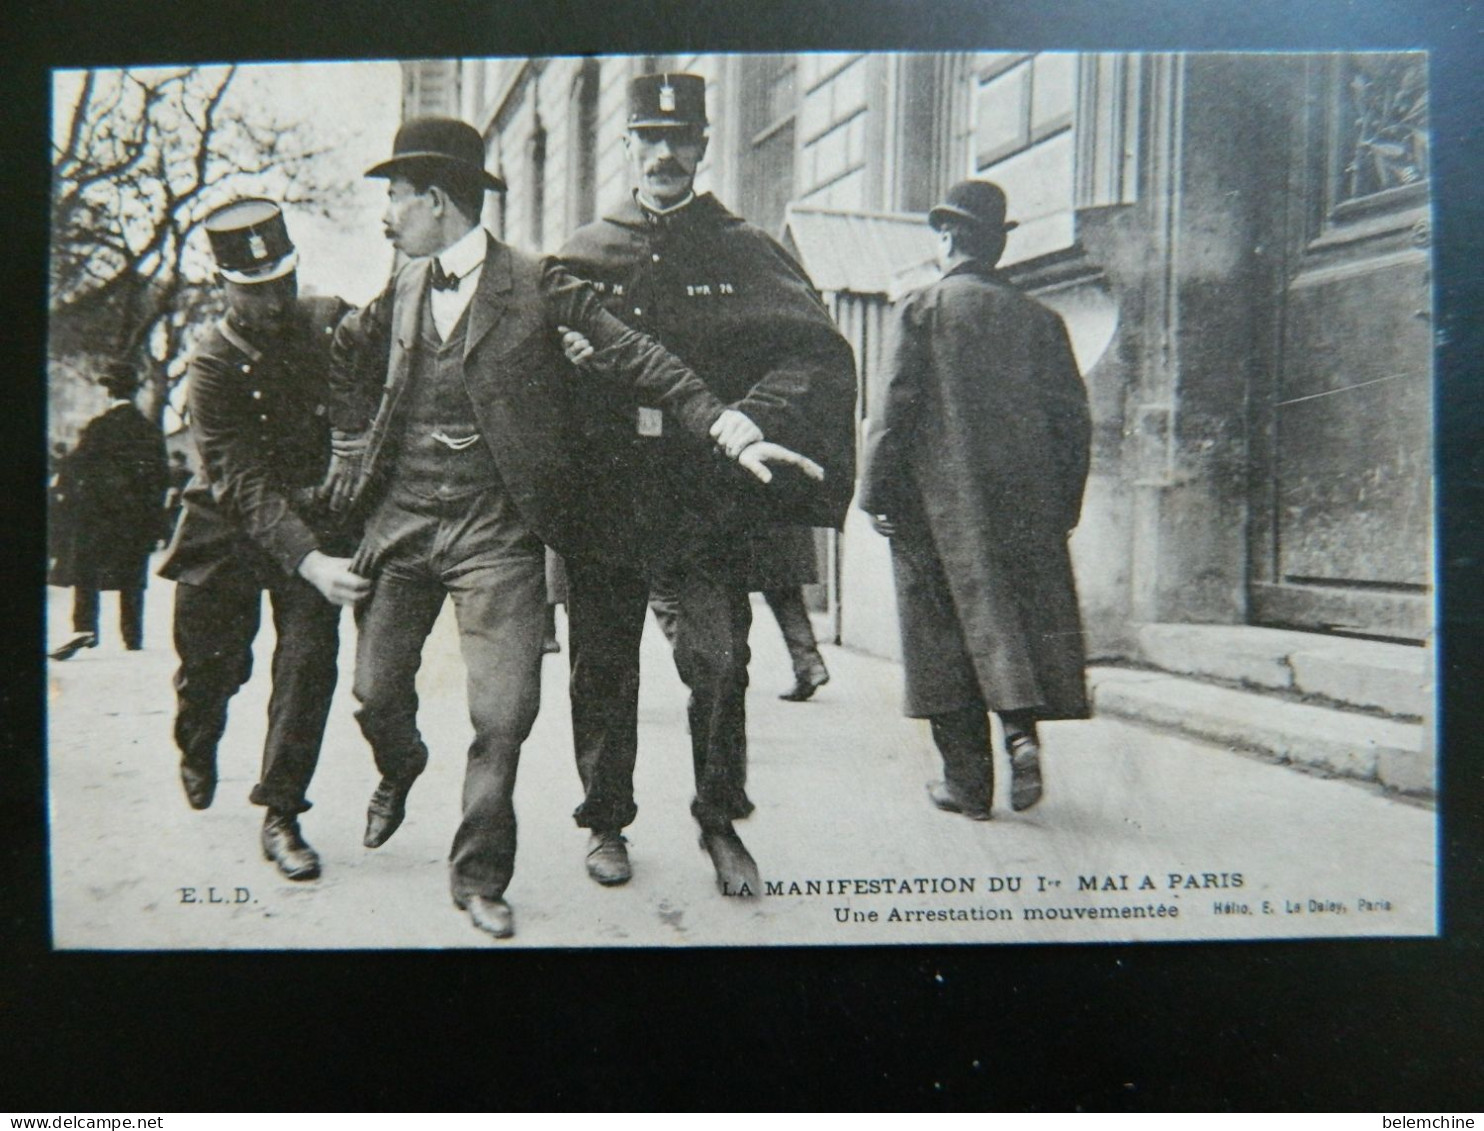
333,578
344,473
578,349
756,458
884,526
733,431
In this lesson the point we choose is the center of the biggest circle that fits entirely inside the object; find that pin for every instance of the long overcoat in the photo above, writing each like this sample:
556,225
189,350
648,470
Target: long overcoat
980,452
110,497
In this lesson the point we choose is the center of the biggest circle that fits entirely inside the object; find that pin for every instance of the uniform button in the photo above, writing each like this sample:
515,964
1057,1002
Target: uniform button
257,394
246,368
638,310
264,418
655,256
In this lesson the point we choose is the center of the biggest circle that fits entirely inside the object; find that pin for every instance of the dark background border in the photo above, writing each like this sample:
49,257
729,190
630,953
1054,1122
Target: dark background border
1372,1025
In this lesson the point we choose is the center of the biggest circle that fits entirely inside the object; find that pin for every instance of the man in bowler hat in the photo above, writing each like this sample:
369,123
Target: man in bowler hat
975,467
453,415
253,522
727,298
107,508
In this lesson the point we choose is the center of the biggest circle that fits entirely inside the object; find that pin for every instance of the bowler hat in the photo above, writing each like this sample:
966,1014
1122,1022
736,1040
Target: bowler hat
119,377
445,144
250,241
981,203
676,101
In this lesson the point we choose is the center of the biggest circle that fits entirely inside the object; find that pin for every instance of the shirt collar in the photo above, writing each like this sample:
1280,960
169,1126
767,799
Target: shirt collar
466,254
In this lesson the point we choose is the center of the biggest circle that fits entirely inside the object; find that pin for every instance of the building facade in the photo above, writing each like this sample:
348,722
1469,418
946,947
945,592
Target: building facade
1239,245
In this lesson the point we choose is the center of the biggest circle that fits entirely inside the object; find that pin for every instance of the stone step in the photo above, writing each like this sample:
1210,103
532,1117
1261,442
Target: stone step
1396,755
1394,678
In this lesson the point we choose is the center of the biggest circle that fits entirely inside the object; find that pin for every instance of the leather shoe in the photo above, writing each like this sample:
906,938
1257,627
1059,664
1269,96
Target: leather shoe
386,811
78,642
200,785
806,685
1025,771
492,916
284,845
736,871
947,799
607,858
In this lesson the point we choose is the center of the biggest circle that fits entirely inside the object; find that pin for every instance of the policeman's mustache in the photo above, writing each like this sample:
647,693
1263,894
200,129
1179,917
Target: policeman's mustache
666,167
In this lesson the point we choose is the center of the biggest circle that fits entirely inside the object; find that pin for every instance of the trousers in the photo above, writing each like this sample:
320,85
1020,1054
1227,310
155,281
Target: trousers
131,614
475,550
215,625
606,606
789,611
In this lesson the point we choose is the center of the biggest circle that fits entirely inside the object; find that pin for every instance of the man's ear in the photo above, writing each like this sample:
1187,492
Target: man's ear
439,200
705,141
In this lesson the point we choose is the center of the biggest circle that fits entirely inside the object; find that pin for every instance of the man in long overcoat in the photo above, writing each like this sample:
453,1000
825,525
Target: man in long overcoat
976,462
108,500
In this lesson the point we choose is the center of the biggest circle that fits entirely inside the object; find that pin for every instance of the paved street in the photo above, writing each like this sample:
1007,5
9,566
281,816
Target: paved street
1141,836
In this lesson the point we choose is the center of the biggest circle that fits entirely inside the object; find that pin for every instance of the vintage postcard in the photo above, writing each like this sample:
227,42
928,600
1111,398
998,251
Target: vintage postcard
1111,619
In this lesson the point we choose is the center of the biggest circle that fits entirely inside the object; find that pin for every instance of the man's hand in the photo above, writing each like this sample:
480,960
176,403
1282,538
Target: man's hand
333,578
578,349
756,458
734,431
344,473
884,525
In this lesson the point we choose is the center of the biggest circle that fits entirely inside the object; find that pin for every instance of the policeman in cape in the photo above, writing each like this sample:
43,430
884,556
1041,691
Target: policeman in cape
740,310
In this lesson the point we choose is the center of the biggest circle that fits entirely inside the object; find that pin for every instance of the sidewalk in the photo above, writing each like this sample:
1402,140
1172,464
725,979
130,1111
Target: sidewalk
838,784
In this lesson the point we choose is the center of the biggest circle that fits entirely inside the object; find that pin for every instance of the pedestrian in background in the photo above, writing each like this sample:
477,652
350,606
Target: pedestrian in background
975,468
108,495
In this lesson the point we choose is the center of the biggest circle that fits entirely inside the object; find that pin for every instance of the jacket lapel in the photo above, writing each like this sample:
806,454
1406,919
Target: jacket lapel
491,297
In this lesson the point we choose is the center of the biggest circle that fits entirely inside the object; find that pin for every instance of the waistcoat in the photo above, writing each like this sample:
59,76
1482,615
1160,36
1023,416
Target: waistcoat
436,403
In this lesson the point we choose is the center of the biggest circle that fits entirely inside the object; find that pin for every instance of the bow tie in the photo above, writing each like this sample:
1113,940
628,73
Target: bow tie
441,280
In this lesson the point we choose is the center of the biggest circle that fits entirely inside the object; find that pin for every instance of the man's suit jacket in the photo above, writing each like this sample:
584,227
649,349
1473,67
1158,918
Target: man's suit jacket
521,388
259,419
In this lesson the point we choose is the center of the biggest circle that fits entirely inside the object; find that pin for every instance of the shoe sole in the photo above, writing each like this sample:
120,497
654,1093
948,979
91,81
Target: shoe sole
507,933
296,877
958,810
610,881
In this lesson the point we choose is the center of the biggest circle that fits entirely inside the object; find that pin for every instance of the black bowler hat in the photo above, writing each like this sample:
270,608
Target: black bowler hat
250,241
667,100
119,377
438,143
981,203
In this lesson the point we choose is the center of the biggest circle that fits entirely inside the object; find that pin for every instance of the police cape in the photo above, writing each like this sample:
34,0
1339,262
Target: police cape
739,310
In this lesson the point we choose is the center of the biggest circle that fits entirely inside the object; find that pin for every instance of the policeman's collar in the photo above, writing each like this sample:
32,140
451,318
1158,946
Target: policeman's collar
661,216
238,339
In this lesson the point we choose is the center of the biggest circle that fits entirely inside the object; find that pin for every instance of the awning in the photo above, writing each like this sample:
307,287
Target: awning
880,253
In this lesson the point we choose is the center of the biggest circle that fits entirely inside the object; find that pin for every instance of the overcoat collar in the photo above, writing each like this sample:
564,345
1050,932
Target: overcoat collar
974,267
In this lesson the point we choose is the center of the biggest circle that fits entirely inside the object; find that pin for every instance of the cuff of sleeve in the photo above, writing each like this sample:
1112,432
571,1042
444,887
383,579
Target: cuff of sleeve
292,544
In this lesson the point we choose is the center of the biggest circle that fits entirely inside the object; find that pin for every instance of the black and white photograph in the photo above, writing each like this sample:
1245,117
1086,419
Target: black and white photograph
741,500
